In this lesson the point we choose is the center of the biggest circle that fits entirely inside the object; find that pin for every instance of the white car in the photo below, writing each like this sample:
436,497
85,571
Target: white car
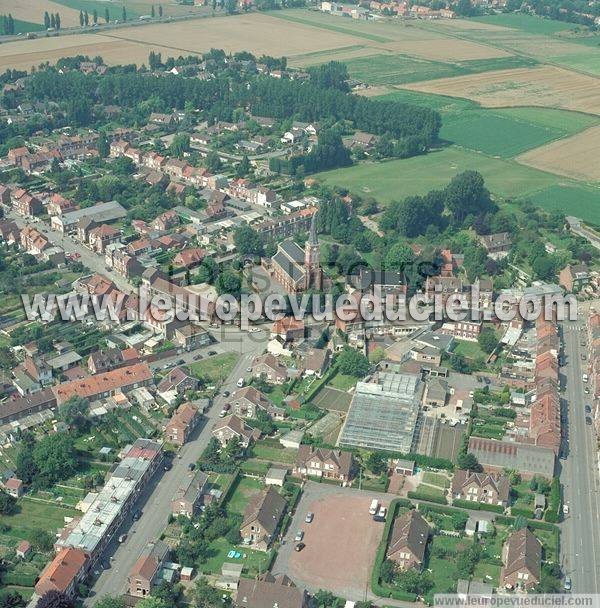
566,509
299,536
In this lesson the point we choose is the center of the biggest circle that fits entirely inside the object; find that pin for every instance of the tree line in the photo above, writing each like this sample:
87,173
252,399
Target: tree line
8,24
52,20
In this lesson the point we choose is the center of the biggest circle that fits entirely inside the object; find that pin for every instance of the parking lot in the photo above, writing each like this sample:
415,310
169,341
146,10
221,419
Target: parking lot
341,542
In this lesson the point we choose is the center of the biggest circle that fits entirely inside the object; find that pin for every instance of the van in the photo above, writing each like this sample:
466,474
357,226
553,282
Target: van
240,382
380,515
374,506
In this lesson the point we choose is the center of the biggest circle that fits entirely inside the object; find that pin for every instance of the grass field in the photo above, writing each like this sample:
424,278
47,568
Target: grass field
246,488
35,516
213,370
581,201
397,179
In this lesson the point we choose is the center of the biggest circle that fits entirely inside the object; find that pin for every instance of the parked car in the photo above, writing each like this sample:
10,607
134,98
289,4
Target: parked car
226,393
299,546
588,409
168,466
181,362
191,466
588,420
299,536
212,352
137,515
197,357
567,584
566,509
309,517
122,538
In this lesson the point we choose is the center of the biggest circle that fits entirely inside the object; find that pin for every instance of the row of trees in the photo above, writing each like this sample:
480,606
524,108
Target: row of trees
52,20
8,24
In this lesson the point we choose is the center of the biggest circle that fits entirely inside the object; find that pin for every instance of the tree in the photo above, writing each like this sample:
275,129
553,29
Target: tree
81,21
52,21
244,167
468,462
377,355
11,599
74,412
467,195
106,15
152,12
229,282
8,503
160,10
124,14
110,602
399,257
387,572
54,599
7,359
459,520
207,596
248,241
213,162
376,463
86,18
152,602
57,19
415,582
95,16
46,20
352,363
487,340
180,144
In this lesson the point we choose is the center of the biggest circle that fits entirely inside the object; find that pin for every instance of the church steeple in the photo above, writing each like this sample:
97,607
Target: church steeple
312,265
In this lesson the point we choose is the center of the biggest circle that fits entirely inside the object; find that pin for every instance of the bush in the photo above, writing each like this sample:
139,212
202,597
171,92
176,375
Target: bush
440,500
528,513
553,511
477,506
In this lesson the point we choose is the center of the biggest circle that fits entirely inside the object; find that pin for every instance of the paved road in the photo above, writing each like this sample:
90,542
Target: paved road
579,476
90,259
157,507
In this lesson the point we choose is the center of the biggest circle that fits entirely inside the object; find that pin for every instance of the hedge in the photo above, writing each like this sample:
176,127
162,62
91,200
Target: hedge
376,587
553,511
477,506
444,510
19,579
416,495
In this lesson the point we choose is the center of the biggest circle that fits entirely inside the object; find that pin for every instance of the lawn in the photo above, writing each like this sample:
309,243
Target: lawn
469,350
214,370
273,453
429,492
245,490
34,517
441,103
254,562
342,382
435,479
399,178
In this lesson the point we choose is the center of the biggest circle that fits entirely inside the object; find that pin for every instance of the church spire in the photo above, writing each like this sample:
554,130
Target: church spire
312,239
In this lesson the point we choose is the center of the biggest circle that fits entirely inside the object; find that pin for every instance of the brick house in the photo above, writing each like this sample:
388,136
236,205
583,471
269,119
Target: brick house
233,426
269,590
178,379
247,401
14,487
102,236
261,519
320,462
488,488
63,573
189,497
182,424
522,559
574,277
268,367
408,541
144,574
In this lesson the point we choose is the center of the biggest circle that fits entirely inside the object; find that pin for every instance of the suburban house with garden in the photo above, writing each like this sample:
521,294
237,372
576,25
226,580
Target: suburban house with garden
522,561
488,488
261,519
408,541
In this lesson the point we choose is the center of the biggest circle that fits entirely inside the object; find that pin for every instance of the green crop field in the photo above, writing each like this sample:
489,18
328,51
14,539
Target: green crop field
115,8
506,133
441,103
402,69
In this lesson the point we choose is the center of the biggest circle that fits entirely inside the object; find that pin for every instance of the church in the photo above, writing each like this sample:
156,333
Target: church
297,269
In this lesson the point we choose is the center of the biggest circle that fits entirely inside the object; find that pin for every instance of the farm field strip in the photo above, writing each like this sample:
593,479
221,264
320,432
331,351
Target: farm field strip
575,156
32,11
539,86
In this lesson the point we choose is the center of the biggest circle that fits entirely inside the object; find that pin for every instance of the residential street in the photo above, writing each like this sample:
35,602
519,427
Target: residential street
580,542
157,507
